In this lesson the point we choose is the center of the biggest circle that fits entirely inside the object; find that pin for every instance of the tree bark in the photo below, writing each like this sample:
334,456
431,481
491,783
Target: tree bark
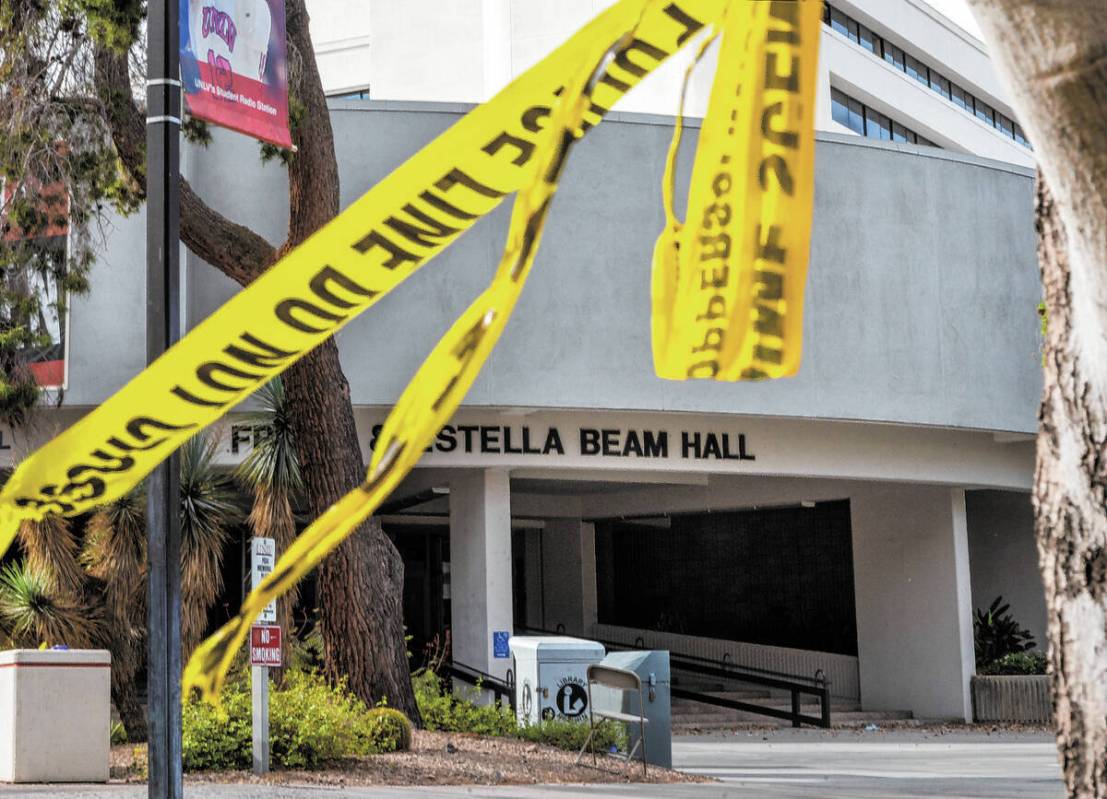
1053,55
131,712
361,584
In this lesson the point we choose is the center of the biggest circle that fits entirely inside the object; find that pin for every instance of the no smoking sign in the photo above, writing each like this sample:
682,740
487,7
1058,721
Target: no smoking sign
265,645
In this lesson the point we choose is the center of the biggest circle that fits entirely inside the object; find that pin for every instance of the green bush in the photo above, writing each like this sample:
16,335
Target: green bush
386,730
215,739
1017,663
310,723
996,634
441,710
118,733
447,712
571,735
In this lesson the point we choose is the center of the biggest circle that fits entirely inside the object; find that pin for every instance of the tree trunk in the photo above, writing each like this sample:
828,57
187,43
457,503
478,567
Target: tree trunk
131,712
361,582
1069,505
1053,56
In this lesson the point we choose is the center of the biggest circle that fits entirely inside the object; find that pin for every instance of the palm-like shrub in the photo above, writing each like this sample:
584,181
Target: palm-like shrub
93,594
996,634
208,509
34,611
114,557
271,472
51,551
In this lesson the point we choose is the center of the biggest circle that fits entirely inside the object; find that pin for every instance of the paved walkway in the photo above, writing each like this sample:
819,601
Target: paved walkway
788,764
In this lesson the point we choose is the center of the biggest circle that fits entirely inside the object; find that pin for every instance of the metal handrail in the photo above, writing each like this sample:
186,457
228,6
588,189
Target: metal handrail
796,685
475,677
815,681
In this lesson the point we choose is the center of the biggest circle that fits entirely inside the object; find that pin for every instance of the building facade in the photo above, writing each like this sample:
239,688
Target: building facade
848,519
895,70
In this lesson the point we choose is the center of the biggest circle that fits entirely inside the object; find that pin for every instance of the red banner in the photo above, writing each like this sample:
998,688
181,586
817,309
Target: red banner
234,68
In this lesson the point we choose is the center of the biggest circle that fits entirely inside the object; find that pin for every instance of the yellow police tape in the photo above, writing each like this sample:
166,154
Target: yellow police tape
431,397
728,284
365,252
523,133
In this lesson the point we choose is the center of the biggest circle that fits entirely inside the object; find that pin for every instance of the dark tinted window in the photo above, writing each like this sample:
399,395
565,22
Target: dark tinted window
916,69
1006,126
881,48
869,40
985,112
900,133
939,84
893,55
877,126
961,97
843,24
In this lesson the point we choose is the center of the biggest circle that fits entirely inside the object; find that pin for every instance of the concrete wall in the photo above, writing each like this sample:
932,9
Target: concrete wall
922,273
1004,557
914,620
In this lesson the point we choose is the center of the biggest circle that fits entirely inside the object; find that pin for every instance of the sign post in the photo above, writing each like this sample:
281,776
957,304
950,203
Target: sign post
265,651
163,328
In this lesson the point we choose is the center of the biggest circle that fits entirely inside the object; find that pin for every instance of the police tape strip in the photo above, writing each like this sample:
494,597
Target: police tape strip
344,268
380,240
431,397
728,284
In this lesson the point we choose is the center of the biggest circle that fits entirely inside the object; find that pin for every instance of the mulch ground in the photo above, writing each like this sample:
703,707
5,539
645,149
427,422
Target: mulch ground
437,758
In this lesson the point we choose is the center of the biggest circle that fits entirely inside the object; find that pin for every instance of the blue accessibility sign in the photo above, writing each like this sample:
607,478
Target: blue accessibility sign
499,644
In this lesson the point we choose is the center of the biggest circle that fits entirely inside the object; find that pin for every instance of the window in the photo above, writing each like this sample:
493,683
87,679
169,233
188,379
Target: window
869,40
893,55
985,112
917,70
961,98
869,122
939,84
902,134
843,24
877,126
355,94
848,112
1005,126
914,68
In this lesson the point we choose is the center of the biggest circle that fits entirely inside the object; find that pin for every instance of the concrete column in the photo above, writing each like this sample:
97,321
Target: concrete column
480,566
569,576
914,600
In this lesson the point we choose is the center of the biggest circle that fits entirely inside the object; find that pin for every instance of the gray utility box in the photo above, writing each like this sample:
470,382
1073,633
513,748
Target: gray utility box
652,669
551,677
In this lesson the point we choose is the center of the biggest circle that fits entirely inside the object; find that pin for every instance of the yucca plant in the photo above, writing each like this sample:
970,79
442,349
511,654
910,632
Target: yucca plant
51,551
271,472
208,509
114,555
34,611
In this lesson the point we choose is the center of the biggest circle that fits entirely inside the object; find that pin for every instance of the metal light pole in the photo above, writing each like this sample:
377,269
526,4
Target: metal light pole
163,328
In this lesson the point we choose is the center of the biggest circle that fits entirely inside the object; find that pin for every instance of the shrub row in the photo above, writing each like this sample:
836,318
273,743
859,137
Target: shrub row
310,723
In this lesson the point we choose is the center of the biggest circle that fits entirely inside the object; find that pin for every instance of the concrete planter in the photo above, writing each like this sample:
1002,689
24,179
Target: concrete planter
1014,697
55,715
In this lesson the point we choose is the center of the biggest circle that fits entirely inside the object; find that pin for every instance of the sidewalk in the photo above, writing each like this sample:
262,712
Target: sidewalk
782,764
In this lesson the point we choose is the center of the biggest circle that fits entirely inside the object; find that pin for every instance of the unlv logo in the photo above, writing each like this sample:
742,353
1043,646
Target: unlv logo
221,24
221,73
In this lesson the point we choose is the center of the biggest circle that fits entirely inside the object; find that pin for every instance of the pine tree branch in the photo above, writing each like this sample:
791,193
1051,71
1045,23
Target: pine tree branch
233,249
